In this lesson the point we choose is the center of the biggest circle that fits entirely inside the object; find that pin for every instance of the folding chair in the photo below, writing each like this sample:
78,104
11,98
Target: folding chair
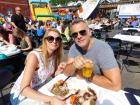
132,31
134,52
115,45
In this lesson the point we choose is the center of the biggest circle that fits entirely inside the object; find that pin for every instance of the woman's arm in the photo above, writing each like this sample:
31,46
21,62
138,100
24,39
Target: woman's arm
29,71
28,91
3,40
27,39
69,69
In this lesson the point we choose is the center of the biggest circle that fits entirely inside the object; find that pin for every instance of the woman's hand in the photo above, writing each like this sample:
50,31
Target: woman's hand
56,101
61,68
18,46
1,39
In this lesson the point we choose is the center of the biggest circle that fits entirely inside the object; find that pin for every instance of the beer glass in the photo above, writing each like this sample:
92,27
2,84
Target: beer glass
87,70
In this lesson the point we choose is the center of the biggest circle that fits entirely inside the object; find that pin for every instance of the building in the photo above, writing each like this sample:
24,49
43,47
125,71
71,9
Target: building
105,4
8,6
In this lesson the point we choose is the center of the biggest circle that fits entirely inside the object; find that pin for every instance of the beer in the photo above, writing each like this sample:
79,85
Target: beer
87,70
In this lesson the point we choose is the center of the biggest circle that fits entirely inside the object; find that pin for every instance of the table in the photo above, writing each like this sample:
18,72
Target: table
13,55
130,28
128,38
15,59
9,50
95,27
104,96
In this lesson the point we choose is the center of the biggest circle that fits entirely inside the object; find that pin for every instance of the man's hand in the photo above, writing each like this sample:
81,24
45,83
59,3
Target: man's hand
79,62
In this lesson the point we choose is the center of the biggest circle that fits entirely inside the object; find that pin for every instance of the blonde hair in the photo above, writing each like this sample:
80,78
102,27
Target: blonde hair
58,53
17,32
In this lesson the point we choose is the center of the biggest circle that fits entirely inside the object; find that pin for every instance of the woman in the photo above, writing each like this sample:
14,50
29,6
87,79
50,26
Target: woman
25,42
41,64
8,27
4,36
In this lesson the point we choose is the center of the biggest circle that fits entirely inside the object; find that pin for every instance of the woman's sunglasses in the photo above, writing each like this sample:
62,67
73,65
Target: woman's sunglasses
82,32
50,39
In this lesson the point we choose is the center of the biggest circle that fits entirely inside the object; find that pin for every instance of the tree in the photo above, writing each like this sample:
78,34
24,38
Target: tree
63,2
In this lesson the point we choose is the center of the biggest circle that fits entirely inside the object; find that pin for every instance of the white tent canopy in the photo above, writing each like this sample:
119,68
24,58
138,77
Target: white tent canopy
110,1
126,12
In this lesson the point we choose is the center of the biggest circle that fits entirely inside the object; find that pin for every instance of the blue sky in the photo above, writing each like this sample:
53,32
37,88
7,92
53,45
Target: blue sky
39,0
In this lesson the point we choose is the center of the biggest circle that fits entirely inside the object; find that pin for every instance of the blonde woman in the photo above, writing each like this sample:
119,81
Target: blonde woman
41,64
25,42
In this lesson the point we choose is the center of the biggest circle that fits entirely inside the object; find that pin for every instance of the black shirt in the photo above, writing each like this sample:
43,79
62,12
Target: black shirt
19,21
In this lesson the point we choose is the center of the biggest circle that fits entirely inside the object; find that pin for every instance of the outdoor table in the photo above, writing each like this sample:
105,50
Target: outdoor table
95,27
14,56
104,96
128,38
9,50
131,28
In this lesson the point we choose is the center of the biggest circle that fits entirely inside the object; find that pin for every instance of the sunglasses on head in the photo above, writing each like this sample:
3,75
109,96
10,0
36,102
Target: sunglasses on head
82,32
50,39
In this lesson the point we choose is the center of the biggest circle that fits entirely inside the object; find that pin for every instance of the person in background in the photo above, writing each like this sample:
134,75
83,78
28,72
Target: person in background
4,36
94,51
135,22
40,29
41,65
25,43
8,27
17,20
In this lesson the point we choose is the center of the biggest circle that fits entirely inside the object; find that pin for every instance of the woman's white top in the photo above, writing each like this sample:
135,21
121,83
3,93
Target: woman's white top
40,76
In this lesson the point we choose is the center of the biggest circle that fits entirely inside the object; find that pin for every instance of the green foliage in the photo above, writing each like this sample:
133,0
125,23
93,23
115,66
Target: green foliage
63,2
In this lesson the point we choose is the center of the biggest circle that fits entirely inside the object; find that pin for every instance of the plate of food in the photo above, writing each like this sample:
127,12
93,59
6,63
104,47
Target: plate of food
73,91
60,88
84,97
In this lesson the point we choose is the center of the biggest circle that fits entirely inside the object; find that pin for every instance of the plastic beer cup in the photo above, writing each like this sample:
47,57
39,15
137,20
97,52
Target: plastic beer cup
87,70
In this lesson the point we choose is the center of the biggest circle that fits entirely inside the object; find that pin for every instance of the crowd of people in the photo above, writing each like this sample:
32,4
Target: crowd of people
44,63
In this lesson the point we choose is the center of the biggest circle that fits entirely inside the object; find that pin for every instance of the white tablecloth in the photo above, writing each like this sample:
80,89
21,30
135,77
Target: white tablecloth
93,26
9,50
129,28
104,96
128,38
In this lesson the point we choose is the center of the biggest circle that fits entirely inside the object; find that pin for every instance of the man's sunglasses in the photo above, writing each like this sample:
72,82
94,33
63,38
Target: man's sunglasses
50,39
82,32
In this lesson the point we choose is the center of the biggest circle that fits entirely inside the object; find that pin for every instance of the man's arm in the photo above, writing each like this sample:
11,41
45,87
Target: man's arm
13,24
111,79
13,21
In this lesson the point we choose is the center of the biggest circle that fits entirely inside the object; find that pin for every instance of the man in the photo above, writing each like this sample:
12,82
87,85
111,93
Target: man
17,19
86,48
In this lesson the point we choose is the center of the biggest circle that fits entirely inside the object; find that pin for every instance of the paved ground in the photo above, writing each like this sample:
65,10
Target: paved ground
130,80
